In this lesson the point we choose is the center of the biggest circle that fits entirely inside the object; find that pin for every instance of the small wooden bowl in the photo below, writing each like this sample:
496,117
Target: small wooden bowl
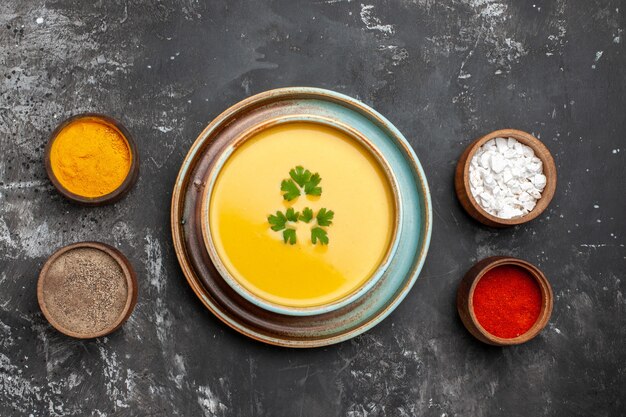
131,289
119,192
462,185
465,295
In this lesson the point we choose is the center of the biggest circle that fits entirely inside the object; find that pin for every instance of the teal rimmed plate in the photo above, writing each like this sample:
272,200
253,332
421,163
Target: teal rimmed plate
329,324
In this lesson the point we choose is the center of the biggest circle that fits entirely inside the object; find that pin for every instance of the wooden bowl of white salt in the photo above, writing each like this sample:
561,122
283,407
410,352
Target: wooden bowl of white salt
505,178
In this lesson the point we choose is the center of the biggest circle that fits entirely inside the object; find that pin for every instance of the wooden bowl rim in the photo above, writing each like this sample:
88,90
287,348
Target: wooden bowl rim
124,187
131,285
547,300
541,152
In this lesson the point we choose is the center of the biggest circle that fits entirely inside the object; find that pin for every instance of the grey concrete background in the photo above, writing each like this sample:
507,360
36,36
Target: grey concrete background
445,72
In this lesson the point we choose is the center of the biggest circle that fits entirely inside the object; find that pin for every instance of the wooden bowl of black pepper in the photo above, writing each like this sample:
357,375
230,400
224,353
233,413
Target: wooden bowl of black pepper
87,290
462,179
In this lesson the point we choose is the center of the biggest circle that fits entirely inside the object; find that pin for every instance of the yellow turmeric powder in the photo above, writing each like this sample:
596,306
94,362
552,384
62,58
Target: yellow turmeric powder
90,158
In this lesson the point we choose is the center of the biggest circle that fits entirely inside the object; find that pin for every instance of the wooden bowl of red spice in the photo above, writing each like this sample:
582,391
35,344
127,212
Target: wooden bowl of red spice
504,301
91,159
87,290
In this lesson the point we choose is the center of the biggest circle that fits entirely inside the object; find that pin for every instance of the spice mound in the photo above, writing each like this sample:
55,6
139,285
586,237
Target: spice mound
85,291
507,301
90,157
506,178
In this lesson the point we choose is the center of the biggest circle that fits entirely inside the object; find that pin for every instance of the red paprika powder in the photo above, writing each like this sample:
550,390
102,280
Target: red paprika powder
507,301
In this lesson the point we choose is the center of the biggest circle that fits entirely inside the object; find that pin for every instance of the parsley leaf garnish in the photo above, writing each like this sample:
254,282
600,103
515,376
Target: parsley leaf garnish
292,215
307,215
289,236
300,175
319,234
325,217
290,189
301,181
277,221
311,186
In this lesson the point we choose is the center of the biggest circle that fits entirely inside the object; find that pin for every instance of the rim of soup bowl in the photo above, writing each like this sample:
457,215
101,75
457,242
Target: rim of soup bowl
259,301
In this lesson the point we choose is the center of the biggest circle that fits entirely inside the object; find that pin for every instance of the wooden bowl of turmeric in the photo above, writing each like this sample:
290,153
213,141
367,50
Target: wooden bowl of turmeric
91,159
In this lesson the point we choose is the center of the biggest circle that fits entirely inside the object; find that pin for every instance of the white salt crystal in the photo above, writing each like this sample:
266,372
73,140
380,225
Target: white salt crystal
529,205
501,144
511,142
535,193
484,160
486,199
526,185
539,181
509,153
475,179
497,163
527,151
506,178
506,175
535,166
507,212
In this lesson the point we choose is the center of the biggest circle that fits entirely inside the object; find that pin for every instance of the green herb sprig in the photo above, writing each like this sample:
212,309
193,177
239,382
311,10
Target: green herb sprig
301,181
279,221
286,221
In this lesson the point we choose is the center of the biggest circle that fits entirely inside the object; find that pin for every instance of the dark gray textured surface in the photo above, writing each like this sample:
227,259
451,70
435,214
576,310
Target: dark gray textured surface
444,72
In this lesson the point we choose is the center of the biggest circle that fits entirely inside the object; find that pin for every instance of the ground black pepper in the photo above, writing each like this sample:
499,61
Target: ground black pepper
85,290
